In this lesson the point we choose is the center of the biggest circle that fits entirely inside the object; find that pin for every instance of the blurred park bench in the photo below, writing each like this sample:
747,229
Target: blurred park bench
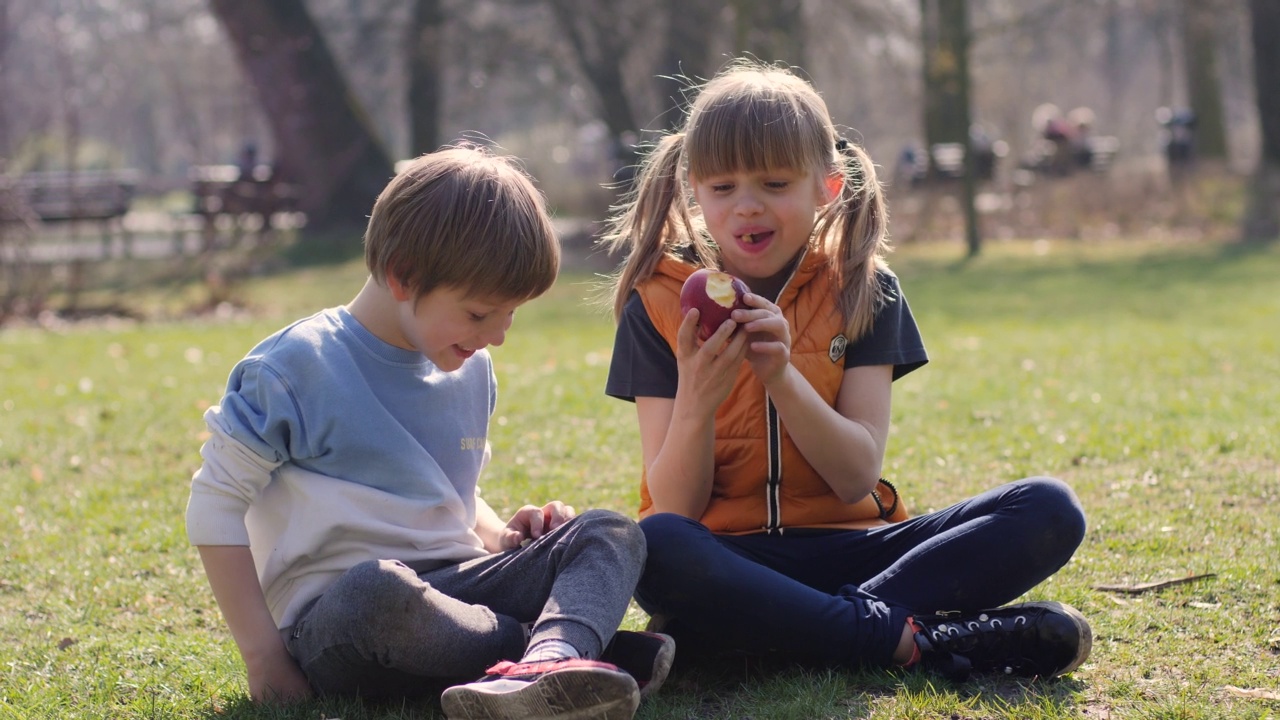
46,217
948,162
227,194
1046,157
68,196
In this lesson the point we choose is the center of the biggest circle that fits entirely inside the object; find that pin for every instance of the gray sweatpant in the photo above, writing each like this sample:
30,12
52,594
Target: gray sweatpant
383,629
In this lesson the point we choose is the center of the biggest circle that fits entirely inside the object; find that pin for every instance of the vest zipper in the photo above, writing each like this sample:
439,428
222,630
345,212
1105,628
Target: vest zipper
773,484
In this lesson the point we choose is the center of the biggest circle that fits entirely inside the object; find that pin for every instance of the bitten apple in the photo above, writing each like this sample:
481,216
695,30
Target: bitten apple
715,294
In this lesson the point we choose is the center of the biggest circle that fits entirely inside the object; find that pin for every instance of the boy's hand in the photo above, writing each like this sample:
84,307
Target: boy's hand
274,676
531,522
277,679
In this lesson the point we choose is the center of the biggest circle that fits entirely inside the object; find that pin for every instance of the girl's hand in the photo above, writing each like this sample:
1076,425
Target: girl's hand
532,522
708,371
769,335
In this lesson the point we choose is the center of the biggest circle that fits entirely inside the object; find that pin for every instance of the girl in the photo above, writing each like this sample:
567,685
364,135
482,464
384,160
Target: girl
768,525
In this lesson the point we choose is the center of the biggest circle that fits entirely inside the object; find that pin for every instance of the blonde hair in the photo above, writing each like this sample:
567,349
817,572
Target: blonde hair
755,117
463,217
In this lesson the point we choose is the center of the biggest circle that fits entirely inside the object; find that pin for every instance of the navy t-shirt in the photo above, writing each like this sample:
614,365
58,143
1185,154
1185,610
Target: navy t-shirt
644,365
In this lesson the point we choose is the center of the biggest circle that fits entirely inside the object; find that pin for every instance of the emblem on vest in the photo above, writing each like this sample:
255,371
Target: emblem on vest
836,351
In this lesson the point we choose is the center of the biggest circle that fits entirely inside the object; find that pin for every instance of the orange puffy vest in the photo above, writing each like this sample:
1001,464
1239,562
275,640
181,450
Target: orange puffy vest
762,483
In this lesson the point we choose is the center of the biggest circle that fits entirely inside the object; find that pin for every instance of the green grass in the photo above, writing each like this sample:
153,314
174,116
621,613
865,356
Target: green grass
1145,376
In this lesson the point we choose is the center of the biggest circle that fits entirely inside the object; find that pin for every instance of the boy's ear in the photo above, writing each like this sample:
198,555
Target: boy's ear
397,288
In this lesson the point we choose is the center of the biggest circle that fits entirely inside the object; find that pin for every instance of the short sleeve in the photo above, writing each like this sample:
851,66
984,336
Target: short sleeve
643,364
894,338
260,412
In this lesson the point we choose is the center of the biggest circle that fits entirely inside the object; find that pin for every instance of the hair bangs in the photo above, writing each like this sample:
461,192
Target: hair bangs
464,218
755,127
528,260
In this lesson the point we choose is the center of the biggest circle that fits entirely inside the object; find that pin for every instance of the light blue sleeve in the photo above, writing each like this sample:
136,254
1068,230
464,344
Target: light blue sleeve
493,387
261,411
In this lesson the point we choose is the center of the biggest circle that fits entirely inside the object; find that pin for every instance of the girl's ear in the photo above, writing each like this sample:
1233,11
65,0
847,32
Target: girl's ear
833,184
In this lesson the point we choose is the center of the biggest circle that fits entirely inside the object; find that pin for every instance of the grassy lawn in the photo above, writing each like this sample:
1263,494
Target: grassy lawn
1147,377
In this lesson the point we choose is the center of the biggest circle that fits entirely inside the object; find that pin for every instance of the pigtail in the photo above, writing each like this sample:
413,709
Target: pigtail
653,218
859,220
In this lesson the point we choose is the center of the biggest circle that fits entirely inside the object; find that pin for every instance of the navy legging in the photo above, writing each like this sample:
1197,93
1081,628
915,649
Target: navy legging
842,597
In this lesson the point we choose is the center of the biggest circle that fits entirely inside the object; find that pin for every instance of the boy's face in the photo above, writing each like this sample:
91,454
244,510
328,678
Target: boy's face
448,327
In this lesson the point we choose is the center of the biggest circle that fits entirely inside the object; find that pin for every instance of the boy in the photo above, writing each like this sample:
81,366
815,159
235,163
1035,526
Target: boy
337,512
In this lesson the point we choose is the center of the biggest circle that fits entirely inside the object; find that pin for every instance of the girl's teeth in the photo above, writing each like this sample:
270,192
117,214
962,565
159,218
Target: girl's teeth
749,238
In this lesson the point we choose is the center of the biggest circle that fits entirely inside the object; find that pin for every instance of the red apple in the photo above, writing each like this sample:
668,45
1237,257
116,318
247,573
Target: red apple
715,294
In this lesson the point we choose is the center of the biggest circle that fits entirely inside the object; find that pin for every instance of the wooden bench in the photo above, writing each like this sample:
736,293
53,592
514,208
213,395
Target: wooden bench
948,163
1049,158
62,196
224,191
70,198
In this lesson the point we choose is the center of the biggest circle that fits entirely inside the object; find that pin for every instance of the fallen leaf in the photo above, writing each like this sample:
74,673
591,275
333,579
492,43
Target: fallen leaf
1257,693
66,642
1147,587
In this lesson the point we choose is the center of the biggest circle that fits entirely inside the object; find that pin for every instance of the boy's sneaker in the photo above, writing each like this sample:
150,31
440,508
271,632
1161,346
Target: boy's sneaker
568,689
645,656
1037,639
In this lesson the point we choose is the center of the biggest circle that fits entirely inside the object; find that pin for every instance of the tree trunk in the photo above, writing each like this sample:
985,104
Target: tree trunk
1114,62
686,58
4,46
1262,222
771,30
944,37
1204,86
426,72
789,35
599,46
945,42
322,138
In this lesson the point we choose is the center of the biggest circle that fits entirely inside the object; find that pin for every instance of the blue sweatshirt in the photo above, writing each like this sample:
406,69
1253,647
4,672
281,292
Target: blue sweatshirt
332,447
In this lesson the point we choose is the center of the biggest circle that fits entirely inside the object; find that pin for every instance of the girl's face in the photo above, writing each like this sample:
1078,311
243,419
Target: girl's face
761,219
448,327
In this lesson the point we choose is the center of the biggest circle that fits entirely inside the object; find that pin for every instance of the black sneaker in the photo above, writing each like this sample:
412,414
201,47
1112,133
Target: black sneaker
1037,639
645,656
568,689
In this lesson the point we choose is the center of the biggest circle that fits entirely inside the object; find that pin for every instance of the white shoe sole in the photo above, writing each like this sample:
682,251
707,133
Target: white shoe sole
661,668
1082,626
573,694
